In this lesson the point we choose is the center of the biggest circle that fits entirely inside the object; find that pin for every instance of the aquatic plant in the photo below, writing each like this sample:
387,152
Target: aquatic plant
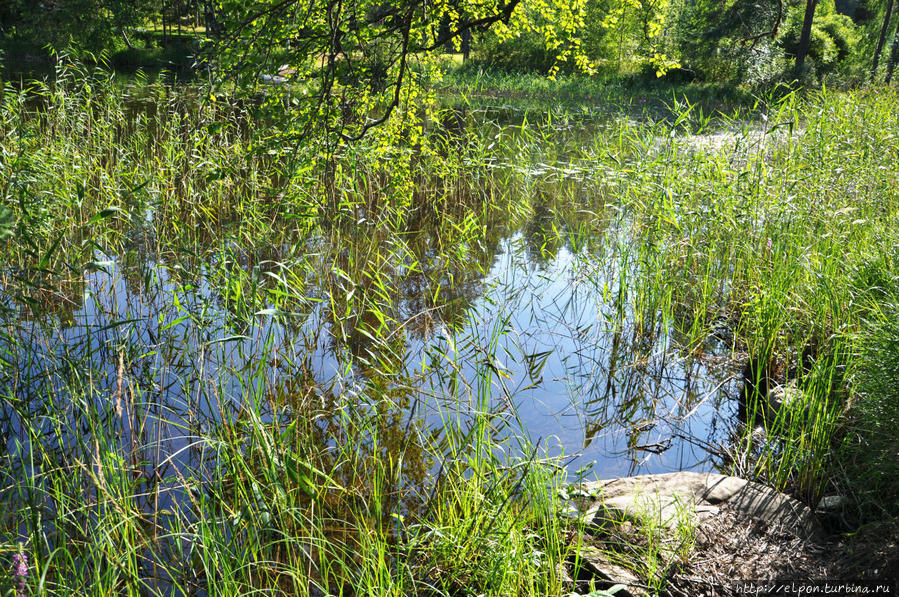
232,367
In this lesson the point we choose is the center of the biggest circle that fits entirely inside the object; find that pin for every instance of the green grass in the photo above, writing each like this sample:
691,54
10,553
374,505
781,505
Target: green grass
783,231
628,94
771,239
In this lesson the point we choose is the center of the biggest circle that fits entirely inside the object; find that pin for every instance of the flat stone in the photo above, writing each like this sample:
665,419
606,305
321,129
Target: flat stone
720,488
601,566
673,501
673,498
762,503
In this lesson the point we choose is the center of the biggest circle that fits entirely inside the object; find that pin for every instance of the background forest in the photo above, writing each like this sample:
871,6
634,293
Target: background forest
736,41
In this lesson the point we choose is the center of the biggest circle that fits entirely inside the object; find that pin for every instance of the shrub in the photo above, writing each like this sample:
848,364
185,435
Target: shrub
832,40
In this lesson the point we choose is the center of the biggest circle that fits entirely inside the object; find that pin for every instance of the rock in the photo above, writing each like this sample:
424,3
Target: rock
675,504
833,503
608,573
671,499
760,503
781,397
272,79
719,488
564,578
835,512
664,498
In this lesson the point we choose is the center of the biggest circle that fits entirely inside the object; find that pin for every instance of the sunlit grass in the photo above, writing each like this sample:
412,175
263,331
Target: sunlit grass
261,475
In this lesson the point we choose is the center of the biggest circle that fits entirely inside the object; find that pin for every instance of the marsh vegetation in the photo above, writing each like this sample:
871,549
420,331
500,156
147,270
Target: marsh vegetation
232,362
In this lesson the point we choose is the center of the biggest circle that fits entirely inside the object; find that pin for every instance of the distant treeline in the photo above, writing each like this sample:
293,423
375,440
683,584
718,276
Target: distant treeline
711,40
107,26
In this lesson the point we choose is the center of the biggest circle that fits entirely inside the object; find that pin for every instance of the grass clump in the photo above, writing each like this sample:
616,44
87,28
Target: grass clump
765,233
872,465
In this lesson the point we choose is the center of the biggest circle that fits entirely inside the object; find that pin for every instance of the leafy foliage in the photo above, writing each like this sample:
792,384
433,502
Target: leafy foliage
88,24
648,19
358,64
833,36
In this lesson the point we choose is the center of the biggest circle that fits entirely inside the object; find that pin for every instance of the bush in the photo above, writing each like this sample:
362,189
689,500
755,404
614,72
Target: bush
832,40
526,52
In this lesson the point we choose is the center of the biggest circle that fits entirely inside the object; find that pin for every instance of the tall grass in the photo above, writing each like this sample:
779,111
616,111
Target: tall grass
768,231
870,463
174,438
169,432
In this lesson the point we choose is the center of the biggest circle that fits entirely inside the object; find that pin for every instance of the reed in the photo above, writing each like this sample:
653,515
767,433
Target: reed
172,268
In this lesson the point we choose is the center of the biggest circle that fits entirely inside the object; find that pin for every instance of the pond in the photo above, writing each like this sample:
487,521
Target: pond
148,344
549,324
233,363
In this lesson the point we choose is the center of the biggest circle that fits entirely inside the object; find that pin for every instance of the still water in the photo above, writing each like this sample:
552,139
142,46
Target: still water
538,335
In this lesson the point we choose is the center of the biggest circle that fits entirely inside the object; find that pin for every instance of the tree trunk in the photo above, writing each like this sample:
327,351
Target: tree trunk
894,56
210,20
125,37
806,36
882,38
165,39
